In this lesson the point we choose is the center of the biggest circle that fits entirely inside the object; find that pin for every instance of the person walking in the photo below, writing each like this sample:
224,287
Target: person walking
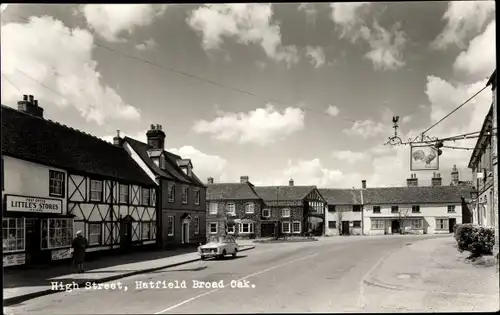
79,244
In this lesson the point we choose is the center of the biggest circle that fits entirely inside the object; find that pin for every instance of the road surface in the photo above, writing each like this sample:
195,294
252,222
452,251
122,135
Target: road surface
323,276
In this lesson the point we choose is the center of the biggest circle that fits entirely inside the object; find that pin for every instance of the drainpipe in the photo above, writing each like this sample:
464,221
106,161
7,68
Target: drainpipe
362,213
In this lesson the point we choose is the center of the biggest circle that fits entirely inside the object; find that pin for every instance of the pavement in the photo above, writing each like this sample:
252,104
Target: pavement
21,285
431,276
328,275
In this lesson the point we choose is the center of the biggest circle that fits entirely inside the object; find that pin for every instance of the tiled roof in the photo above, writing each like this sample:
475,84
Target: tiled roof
232,191
183,162
283,193
172,171
341,196
46,142
416,195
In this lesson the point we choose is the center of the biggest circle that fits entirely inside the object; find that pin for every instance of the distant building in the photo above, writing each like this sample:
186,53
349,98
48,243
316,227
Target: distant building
57,180
344,211
182,194
249,211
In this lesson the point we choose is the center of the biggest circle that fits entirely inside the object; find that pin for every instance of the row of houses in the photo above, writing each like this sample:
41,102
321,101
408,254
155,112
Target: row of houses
249,211
121,195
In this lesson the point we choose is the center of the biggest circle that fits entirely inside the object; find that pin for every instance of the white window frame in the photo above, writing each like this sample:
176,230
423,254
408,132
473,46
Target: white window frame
452,207
419,226
417,207
197,197
170,221
210,225
293,227
64,240
94,190
145,194
171,190
283,224
124,188
91,235
56,183
377,224
184,194
196,225
230,229
356,227
250,208
249,225
268,211
233,205
445,224
213,207
285,210
18,227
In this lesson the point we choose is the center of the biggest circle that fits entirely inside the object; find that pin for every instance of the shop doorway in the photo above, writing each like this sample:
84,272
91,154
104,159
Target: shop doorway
345,228
395,227
33,240
126,233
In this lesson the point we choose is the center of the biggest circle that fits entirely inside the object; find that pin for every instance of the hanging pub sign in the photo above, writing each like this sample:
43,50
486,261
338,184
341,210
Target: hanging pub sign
33,204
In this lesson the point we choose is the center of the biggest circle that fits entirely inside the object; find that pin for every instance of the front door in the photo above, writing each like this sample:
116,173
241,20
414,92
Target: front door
125,234
452,222
267,230
185,233
345,227
395,226
33,241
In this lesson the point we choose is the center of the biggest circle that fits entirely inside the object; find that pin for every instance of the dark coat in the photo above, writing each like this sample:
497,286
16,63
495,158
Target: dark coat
79,244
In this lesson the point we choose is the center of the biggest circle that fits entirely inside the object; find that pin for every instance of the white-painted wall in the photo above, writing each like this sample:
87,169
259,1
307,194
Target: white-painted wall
29,179
429,212
342,213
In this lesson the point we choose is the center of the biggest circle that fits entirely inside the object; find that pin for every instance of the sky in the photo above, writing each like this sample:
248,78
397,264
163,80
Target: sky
302,91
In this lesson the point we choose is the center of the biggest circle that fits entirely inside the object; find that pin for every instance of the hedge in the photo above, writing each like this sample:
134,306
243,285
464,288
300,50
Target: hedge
479,240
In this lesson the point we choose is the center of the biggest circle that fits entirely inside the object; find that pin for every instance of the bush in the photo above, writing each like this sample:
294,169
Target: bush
478,240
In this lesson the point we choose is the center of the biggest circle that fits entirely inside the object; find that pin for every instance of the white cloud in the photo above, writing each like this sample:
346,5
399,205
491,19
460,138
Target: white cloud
247,24
310,11
204,165
406,119
139,136
261,126
350,156
147,45
366,129
316,56
332,110
386,47
63,63
110,20
479,60
463,18
349,18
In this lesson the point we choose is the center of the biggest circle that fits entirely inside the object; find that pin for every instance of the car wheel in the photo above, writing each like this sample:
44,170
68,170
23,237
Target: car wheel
223,254
203,258
235,252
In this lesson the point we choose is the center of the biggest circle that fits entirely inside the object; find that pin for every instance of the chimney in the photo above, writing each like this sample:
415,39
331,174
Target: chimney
30,106
363,184
243,179
210,180
436,180
454,176
412,181
290,182
117,141
156,137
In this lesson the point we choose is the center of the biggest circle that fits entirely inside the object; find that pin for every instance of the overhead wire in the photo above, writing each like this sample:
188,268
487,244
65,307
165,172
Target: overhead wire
199,78
11,83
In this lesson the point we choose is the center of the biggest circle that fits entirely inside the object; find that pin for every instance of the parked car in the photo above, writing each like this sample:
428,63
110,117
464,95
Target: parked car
224,245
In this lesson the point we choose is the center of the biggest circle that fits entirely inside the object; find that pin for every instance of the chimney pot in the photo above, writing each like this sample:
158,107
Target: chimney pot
25,97
35,102
210,180
290,182
243,179
31,98
363,184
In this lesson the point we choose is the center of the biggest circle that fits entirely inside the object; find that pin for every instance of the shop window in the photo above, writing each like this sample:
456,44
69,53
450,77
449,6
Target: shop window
56,233
145,196
95,233
13,234
95,190
56,184
146,230
124,194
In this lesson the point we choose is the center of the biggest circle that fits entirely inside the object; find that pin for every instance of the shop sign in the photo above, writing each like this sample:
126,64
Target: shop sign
14,260
63,253
32,204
